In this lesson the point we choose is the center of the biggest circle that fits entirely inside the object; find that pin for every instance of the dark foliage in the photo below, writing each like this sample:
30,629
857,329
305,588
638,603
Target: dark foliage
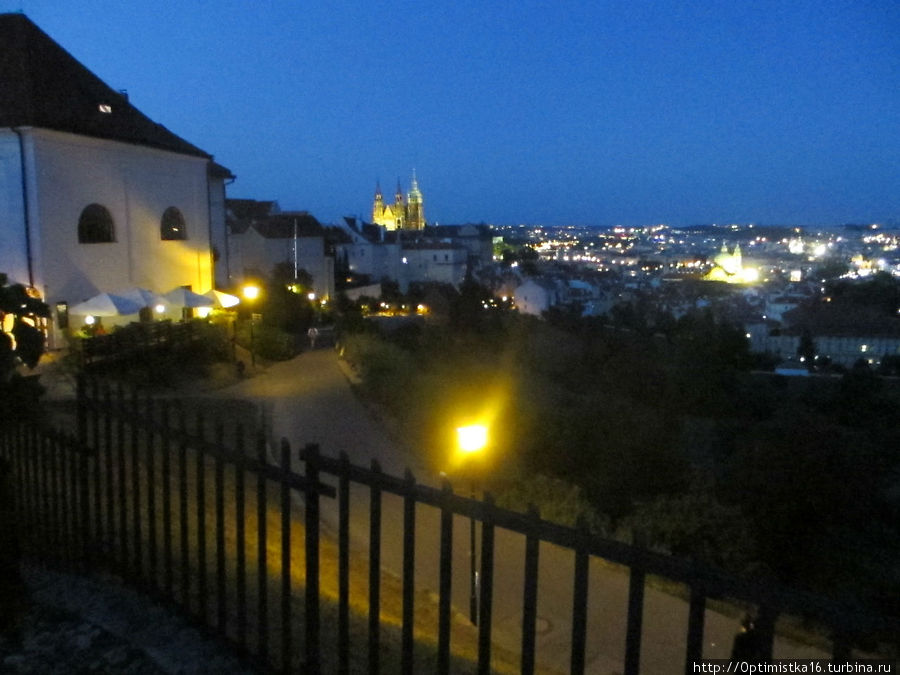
19,395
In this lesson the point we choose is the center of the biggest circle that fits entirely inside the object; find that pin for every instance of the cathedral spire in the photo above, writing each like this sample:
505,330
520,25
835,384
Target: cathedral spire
378,204
415,208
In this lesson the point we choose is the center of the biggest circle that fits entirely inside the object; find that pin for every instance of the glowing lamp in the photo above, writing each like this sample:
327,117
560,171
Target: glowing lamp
250,292
471,438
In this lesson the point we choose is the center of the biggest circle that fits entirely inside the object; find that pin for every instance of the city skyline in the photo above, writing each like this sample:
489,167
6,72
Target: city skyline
521,113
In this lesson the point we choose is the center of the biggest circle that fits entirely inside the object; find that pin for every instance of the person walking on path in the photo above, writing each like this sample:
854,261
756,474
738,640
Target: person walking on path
312,333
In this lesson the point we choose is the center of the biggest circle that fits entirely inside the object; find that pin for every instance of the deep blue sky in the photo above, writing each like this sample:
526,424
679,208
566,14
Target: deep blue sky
556,112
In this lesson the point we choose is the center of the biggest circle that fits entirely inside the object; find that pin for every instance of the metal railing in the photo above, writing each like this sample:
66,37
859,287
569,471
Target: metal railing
192,517
136,339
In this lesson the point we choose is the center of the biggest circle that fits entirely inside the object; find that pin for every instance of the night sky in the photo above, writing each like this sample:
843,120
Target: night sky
591,112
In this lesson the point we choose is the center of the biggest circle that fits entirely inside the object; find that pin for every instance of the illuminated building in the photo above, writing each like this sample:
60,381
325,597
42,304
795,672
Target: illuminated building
99,197
728,266
401,215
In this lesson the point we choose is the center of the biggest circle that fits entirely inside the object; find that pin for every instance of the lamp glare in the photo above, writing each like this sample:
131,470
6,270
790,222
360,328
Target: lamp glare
472,438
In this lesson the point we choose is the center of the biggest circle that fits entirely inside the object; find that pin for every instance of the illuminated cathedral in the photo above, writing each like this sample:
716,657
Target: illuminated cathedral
729,267
408,214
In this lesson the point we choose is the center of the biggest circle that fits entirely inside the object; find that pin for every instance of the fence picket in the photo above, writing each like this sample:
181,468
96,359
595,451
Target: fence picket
445,581
409,571
219,489
286,631
200,481
312,654
166,450
696,615
635,621
374,572
262,575
123,493
183,527
486,599
579,606
241,542
343,564
137,557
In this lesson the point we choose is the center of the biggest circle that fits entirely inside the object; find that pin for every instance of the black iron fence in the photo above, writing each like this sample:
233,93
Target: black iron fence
202,517
136,339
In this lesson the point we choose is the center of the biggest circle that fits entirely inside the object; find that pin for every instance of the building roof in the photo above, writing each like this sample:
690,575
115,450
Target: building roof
44,86
282,226
251,209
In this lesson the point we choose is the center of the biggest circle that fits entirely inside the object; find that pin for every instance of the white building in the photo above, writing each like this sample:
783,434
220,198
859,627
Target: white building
94,196
261,236
375,252
536,295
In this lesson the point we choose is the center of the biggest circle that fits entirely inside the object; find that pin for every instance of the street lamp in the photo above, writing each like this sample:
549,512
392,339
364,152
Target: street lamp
471,440
251,293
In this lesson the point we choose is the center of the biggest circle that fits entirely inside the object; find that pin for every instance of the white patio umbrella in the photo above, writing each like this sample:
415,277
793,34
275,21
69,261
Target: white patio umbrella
106,304
182,297
145,297
222,299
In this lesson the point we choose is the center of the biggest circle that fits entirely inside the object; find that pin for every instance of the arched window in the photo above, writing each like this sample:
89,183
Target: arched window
172,226
95,226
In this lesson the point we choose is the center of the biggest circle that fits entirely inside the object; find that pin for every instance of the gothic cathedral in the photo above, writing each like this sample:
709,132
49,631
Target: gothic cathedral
401,215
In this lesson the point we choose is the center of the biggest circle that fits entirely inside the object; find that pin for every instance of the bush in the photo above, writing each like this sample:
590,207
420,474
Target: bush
386,369
557,501
274,344
696,525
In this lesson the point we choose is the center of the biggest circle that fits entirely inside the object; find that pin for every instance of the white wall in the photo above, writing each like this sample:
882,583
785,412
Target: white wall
13,259
136,185
251,251
219,233
445,265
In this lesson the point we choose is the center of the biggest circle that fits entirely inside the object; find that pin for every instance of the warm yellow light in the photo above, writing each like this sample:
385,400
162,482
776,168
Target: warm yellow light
89,320
203,312
471,438
160,309
311,296
250,292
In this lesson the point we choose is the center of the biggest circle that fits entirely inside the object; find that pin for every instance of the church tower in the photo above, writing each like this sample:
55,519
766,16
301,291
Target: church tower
415,209
408,214
399,209
378,206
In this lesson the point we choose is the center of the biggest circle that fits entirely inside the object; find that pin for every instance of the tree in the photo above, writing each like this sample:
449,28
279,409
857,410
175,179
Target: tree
24,344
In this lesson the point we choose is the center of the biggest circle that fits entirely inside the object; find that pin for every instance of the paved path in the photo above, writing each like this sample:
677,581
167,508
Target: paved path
309,399
96,624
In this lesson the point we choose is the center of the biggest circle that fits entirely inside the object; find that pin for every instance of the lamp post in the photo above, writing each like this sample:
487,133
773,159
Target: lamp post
251,293
471,440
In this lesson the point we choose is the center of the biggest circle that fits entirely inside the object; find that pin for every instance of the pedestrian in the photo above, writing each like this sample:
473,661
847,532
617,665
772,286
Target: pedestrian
313,333
13,592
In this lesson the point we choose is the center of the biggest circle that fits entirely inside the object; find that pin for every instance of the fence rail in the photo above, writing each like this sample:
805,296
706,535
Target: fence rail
136,339
207,523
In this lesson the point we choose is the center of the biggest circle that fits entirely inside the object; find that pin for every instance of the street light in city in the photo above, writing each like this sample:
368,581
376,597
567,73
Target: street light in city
251,293
471,440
